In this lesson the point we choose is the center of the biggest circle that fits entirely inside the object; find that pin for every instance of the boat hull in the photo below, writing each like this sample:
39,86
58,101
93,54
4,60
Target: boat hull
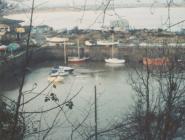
63,68
155,61
115,61
77,60
107,43
58,72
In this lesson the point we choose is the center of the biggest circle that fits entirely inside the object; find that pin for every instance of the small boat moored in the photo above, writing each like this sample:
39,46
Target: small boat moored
155,61
115,61
77,59
63,68
58,72
107,43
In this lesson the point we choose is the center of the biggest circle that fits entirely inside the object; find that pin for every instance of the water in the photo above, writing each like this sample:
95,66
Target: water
139,18
113,95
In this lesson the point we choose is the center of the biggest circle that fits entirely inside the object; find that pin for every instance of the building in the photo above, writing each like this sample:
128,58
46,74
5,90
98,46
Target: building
3,29
8,26
183,31
41,29
12,24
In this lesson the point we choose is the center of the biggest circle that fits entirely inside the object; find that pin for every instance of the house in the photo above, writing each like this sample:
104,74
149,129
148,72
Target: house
12,24
8,25
3,29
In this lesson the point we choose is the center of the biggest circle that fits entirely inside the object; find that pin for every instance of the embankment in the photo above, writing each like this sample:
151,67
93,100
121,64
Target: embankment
131,54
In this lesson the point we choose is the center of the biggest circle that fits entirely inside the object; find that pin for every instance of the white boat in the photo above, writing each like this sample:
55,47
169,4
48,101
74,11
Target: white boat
114,60
63,68
107,43
56,41
55,79
3,47
77,59
58,72
89,43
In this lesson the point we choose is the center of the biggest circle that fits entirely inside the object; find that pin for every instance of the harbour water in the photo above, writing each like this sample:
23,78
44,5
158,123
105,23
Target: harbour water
114,95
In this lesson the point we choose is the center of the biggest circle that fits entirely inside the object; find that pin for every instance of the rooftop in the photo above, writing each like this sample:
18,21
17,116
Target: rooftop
9,21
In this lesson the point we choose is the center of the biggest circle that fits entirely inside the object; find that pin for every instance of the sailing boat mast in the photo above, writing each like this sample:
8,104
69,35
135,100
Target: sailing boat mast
78,48
112,43
65,59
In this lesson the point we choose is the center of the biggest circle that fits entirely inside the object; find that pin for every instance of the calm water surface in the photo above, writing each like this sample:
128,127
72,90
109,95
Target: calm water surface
114,95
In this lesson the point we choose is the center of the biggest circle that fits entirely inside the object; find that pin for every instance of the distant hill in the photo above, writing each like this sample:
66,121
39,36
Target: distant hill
42,5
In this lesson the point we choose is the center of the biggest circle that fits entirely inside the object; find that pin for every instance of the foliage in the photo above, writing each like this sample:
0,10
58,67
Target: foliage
159,104
3,7
6,121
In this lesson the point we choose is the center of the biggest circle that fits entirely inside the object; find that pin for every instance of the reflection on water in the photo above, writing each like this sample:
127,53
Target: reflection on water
114,94
114,65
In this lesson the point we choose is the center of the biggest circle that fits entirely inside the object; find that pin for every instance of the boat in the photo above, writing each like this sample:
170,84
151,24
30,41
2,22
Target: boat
155,61
55,79
90,43
56,41
114,60
63,68
3,47
77,59
58,72
107,42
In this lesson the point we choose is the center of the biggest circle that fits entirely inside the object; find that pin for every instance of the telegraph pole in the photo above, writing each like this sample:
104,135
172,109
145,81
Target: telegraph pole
65,59
95,113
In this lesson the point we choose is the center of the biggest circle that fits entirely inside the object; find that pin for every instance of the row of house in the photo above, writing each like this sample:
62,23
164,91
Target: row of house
13,36
13,29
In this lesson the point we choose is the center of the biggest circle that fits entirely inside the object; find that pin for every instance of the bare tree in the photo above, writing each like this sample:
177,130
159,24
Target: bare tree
3,7
159,103
21,123
158,107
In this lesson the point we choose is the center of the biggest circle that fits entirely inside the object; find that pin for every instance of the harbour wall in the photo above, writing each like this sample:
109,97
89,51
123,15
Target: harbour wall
130,54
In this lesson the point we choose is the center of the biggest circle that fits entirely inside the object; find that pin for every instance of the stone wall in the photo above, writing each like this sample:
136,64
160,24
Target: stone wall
131,54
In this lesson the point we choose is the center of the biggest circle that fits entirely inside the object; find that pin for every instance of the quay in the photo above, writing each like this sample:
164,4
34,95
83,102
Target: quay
50,53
